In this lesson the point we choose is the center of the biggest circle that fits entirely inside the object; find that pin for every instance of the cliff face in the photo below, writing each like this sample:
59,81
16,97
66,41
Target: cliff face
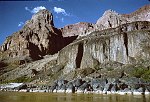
142,14
115,38
37,38
125,44
78,29
112,19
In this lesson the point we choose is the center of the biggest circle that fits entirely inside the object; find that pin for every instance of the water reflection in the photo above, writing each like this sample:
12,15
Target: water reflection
55,97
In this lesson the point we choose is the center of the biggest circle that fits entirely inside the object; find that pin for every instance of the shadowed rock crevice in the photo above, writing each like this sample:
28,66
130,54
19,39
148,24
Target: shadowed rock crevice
125,36
34,52
68,40
58,42
79,55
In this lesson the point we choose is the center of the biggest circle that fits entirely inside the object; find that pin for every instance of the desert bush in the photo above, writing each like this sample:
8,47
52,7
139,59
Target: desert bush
21,79
110,69
141,72
146,76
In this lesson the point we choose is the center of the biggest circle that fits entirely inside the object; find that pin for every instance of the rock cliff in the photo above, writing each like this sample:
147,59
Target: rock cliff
125,44
78,29
37,38
112,19
114,46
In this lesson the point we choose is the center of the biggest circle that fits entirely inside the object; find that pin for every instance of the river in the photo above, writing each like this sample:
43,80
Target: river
61,97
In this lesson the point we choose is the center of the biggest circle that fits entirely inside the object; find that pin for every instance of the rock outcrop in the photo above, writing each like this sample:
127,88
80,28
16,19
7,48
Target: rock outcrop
101,86
142,14
78,29
114,47
112,19
125,44
37,38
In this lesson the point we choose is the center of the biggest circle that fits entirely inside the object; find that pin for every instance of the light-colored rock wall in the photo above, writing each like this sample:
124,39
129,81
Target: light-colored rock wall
112,19
123,44
67,58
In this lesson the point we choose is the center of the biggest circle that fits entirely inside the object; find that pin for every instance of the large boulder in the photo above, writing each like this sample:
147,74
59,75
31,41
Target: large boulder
70,88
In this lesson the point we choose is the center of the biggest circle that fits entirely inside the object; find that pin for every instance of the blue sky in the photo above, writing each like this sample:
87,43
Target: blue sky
13,14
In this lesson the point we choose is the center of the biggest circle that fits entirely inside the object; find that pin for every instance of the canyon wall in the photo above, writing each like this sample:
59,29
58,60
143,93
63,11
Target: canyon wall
125,44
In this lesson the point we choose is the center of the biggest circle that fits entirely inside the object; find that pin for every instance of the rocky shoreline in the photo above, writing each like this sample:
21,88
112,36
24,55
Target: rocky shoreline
133,86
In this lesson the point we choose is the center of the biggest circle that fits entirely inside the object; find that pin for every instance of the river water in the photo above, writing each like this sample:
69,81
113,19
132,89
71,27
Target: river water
56,97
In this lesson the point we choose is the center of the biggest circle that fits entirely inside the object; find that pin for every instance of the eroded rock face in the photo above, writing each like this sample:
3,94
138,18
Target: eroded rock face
142,14
114,38
37,38
125,44
112,19
78,29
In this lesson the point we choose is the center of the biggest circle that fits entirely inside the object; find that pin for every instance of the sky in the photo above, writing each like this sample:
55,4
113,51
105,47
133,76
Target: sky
14,14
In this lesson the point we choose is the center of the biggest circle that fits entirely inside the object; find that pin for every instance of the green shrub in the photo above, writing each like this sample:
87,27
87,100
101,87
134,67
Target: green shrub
21,80
110,69
98,68
146,75
141,72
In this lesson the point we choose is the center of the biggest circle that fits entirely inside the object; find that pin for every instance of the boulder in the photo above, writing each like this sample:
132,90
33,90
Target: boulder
84,86
23,86
53,87
107,87
132,82
70,88
78,82
98,83
61,82
139,91
61,89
